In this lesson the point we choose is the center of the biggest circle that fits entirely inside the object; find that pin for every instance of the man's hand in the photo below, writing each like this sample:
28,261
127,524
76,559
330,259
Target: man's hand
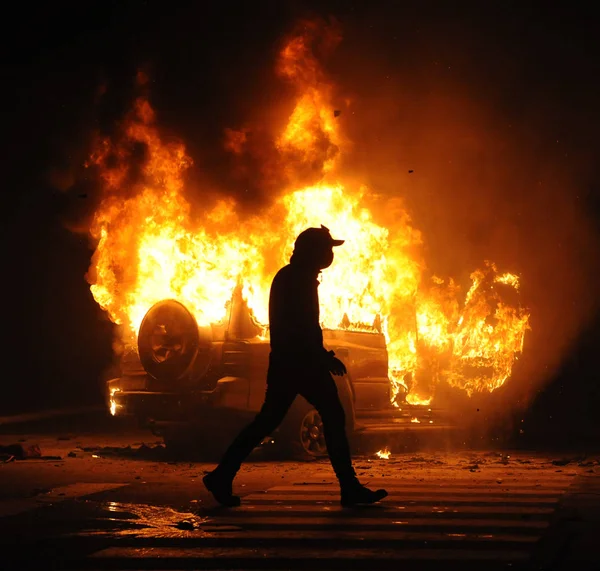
336,367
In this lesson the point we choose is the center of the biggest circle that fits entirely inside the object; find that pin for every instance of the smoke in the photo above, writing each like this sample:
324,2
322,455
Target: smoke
102,127
489,169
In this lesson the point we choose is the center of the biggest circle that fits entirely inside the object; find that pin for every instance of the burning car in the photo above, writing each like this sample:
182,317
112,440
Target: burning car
185,381
184,274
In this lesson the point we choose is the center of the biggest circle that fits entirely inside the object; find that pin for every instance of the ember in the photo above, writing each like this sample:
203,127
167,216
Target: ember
150,247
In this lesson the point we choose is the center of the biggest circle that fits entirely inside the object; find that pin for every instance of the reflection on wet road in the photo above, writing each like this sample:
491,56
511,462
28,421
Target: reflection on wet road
141,520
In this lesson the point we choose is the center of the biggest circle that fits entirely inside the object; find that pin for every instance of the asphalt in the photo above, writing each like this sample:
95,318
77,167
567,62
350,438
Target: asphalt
112,498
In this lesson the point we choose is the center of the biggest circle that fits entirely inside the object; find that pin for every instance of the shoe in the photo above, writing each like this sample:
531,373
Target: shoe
360,495
221,489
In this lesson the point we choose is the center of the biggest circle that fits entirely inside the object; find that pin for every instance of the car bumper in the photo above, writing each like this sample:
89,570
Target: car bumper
125,399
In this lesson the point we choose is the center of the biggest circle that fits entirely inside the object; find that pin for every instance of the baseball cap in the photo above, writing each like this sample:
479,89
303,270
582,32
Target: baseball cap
316,238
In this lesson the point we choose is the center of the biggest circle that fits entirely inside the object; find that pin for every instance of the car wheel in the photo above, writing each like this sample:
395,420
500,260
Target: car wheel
171,346
301,435
312,437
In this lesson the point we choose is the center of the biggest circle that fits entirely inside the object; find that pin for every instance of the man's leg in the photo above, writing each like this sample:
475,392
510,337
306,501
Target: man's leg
322,393
278,400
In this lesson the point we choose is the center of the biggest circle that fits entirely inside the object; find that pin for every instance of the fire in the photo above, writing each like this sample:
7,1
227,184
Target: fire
112,402
151,245
311,136
383,454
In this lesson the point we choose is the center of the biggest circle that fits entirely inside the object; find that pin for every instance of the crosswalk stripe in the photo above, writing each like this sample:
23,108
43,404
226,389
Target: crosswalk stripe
398,489
304,523
403,485
424,499
299,553
407,492
245,537
308,510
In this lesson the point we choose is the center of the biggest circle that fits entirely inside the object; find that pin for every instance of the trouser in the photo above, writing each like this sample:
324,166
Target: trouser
319,389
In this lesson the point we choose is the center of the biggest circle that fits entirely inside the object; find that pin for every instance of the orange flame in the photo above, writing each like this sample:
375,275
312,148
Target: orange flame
383,454
311,138
151,247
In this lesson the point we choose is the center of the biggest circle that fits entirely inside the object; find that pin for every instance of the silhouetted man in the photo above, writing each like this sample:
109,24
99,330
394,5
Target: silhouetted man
298,365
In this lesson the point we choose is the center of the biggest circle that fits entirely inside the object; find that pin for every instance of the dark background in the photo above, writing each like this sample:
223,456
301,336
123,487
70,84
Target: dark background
520,67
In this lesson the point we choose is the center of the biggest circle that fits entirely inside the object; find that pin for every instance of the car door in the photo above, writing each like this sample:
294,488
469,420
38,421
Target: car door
365,357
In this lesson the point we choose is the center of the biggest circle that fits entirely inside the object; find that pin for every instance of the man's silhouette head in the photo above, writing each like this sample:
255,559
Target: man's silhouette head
313,248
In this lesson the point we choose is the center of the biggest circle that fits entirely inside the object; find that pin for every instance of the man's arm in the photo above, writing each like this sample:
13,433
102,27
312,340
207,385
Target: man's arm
307,331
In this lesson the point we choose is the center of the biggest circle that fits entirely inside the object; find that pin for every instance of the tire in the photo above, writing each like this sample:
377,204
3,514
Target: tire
171,347
301,435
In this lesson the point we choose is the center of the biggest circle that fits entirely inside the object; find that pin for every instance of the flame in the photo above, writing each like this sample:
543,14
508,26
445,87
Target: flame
152,246
384,454
415,420
311,137
113,406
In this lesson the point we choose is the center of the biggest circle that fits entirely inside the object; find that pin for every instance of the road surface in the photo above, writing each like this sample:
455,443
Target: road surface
106,501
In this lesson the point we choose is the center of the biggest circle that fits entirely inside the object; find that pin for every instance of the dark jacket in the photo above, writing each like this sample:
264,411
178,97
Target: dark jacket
294,316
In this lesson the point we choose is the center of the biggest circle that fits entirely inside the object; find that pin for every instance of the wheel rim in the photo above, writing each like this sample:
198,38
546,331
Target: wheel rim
312,436
165,345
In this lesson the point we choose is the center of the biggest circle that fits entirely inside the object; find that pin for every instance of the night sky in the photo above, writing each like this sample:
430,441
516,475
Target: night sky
519,79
